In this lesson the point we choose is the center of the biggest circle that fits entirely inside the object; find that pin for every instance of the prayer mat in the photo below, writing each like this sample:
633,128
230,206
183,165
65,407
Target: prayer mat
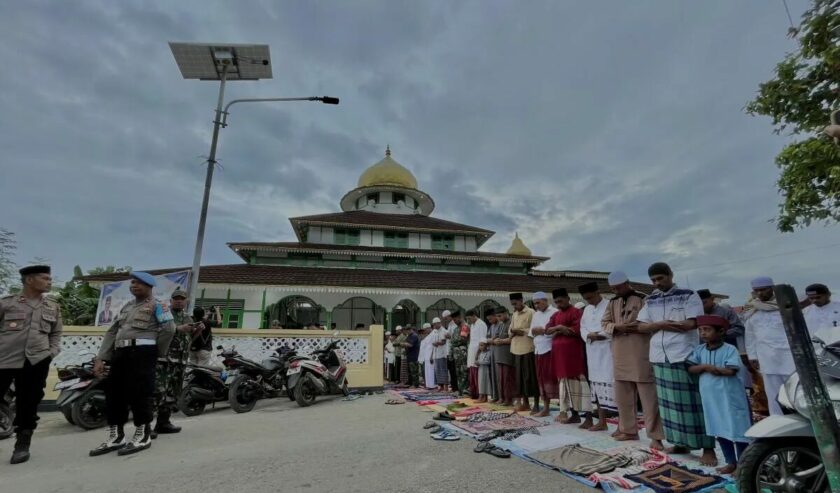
570,457
510,423
671,478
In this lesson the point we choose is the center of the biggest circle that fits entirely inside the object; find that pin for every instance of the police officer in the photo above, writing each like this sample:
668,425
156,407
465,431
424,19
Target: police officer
30,337
132,345
170,370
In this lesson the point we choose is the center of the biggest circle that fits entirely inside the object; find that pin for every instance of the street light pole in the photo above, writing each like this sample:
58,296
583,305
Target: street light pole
208,182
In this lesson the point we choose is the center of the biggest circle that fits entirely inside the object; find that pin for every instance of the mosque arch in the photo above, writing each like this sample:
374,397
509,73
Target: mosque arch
358,310
405,312
295,312
483,307
437,308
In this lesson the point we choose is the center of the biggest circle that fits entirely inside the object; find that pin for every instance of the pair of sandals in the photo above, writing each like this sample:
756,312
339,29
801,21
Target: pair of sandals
432,427
443,416
393,402
491,449
446,436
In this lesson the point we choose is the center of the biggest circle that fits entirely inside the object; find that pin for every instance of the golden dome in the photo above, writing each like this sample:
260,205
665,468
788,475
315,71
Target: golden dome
517,247
387,172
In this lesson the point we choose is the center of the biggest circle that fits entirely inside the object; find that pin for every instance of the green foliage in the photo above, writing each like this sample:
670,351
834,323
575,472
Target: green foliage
79,300
799,99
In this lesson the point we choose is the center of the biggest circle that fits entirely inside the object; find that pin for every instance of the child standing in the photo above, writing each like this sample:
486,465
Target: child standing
485,386
725,407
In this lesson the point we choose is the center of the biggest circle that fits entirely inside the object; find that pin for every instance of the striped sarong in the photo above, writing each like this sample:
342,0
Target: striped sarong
574,394
441,372
404,371
680,406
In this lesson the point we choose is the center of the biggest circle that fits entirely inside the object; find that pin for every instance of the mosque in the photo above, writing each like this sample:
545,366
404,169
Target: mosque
382,260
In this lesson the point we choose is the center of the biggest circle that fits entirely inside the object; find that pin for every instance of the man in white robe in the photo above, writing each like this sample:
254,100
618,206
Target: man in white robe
599,358
426,356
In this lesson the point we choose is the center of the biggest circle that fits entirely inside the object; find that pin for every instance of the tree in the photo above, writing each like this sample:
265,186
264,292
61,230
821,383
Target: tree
799,100
8,270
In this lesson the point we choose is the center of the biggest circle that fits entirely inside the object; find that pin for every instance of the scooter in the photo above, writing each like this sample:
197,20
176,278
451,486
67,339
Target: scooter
7,413
784,454
203,385
324,374
250,381
82,396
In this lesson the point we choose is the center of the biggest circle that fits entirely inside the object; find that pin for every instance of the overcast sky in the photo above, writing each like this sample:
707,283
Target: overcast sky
608,134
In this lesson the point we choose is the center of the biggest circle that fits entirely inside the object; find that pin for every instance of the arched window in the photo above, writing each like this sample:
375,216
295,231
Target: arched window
439,306
406,312
483,306
294,312
355,312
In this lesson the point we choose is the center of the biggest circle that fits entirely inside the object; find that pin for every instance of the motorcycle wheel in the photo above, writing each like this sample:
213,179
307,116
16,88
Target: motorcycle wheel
305,393
240,396
67,411
87,414
6,419
189,405
782,465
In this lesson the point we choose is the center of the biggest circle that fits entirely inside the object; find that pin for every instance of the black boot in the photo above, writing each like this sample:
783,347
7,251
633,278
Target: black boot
141,440
22,442
164,425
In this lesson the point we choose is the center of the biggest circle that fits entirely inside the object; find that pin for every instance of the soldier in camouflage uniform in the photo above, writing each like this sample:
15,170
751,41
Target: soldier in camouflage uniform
458,351
170,370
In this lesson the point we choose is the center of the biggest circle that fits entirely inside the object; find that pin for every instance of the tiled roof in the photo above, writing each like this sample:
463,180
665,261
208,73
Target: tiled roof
377,251
402,222
375,278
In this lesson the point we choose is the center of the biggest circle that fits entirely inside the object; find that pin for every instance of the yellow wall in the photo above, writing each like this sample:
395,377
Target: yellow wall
358,375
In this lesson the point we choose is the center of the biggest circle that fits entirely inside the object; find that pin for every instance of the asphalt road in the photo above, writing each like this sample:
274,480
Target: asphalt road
333,446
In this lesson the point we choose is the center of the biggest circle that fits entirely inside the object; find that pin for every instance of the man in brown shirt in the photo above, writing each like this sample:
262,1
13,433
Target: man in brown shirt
522,348
30,337
633,372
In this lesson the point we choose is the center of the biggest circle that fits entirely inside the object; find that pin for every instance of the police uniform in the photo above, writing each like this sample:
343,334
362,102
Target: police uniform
170,373
30,337
142,333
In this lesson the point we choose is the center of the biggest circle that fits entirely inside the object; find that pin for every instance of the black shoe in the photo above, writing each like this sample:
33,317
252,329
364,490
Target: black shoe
165,428
115,441
22,442
141,440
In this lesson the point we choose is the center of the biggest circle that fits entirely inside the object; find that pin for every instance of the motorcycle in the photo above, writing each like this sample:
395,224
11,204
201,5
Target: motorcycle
784,454
203,385
81,397
324,374
250,381
7,413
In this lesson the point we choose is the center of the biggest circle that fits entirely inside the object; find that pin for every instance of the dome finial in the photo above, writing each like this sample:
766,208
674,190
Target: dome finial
517,247
388,150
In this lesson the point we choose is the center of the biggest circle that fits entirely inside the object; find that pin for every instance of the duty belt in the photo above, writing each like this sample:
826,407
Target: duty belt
135,342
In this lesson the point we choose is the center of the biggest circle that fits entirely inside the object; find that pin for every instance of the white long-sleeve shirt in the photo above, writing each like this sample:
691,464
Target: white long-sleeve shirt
542,343
675,305
823,322
599,357
478,331
767,343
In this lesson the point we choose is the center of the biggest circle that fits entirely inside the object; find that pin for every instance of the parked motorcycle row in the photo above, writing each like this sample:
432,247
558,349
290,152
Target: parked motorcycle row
240,381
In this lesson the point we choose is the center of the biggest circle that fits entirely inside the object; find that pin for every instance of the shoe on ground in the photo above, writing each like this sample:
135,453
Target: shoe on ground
141,440
23,439
166,428
115,441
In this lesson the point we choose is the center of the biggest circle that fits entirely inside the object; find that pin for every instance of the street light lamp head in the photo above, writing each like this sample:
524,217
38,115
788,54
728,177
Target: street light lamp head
329,100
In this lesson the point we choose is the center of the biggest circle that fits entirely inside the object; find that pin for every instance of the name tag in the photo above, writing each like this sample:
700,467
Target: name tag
14,320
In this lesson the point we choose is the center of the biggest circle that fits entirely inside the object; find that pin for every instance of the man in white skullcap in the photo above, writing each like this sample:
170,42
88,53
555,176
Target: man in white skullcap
632,370
766,341
440,355
449,329
427,356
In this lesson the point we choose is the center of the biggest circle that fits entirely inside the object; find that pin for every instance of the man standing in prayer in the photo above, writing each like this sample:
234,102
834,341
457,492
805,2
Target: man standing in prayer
522,349
546,376
767,343
568,356
735,332
412,355
399,355
440,352
500,344
823,315
458,341
449,327
427,356
599,356
670,315
389,357
632,370
478,331
492,320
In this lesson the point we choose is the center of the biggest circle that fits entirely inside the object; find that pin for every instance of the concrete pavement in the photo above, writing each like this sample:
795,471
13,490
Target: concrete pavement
332,446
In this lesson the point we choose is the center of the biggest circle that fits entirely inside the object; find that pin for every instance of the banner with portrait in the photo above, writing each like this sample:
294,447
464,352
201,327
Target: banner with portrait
116,294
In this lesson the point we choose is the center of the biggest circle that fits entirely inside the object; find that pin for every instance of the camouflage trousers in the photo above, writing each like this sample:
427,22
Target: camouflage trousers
169,379
459,356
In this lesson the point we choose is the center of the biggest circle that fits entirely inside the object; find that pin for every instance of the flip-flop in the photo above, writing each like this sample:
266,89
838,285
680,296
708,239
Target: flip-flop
429,424
481,447
435,429
446,436
497,452
394,402
488,436
443,416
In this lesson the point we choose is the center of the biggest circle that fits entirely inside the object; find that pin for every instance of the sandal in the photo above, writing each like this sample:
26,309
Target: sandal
443,416
394,402
481,447
435,429
497,452
429,424
488,436
446,436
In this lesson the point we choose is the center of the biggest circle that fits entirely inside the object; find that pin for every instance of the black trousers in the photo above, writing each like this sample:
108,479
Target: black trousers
29,390
395,377
131,385
453,374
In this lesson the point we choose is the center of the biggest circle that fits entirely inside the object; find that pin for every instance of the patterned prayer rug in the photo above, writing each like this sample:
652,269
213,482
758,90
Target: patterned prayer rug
511,423
671,478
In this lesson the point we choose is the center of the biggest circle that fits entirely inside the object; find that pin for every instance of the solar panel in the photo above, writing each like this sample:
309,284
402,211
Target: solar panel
205,61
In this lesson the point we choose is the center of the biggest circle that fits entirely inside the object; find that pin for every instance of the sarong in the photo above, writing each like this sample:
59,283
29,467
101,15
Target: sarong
441,371
494,378
473,383
603,395
526,375
680,406
546,379
404,371
485,383
574,394
507,382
